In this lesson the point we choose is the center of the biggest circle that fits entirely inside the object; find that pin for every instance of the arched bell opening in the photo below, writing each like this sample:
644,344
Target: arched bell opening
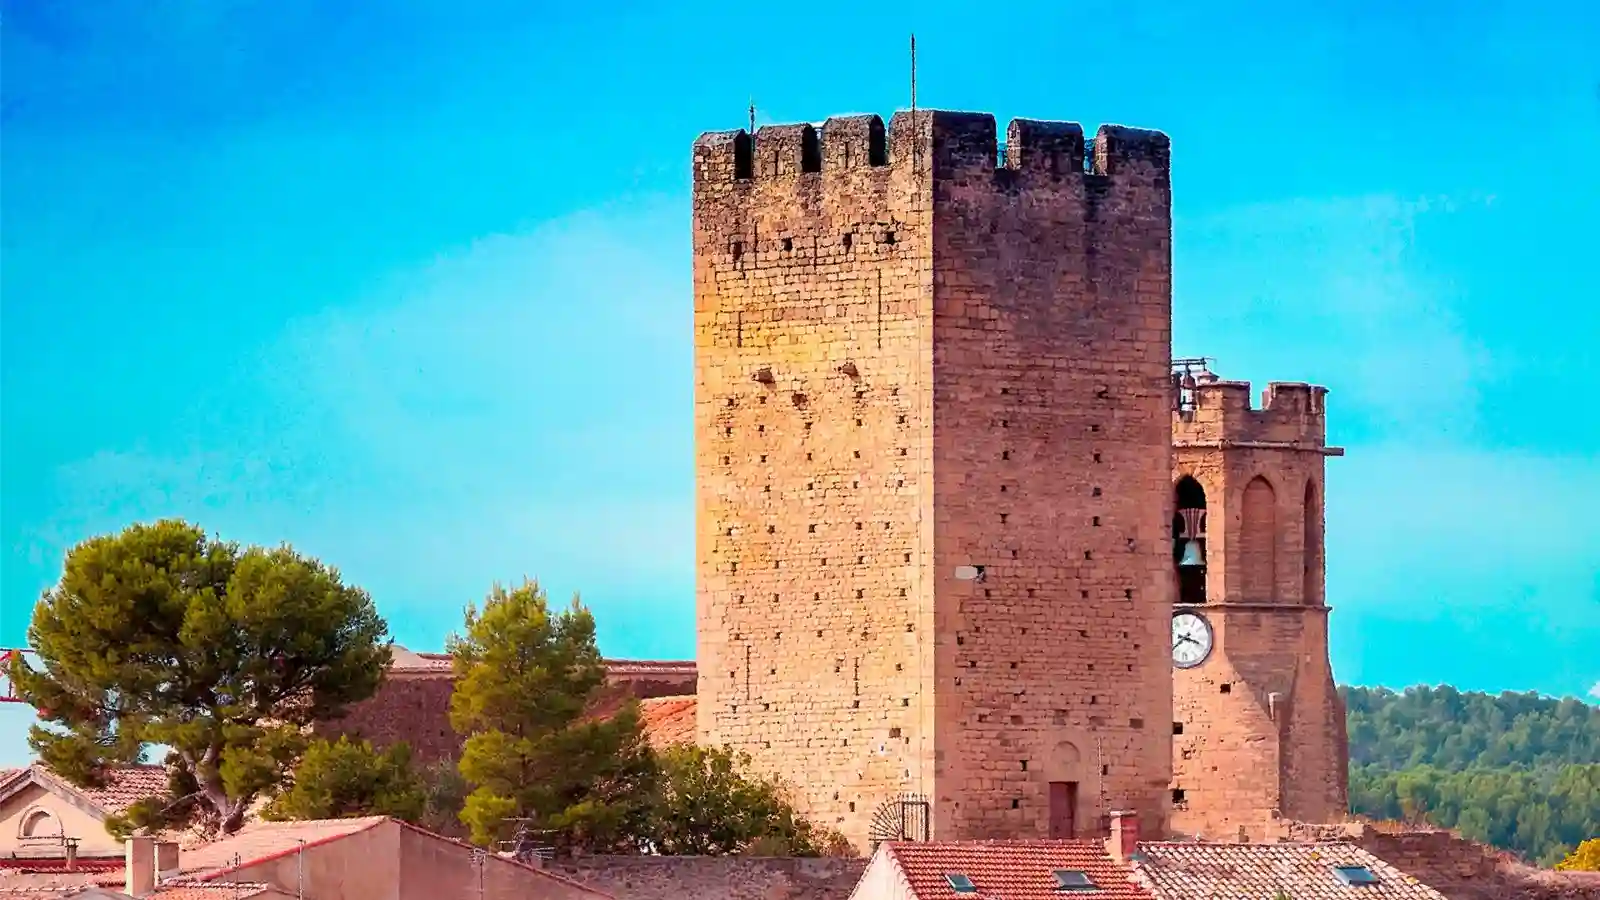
1189,540
1311,584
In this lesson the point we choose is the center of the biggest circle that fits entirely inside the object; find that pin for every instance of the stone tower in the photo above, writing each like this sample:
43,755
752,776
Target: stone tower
1259,729
933,470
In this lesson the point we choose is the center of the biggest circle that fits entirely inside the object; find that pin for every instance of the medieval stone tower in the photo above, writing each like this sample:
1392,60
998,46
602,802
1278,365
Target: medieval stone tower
1259,729
933,457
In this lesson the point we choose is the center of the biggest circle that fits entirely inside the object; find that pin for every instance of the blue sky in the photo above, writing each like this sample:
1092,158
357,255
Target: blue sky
411,289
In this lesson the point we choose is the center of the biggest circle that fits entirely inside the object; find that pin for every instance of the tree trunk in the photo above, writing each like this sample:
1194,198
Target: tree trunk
234,820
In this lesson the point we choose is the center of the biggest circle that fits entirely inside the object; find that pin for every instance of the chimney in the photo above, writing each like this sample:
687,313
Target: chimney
72,854
1124,839
166,858
141,866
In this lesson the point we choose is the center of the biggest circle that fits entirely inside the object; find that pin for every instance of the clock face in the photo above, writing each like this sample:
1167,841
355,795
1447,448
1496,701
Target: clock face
1191,640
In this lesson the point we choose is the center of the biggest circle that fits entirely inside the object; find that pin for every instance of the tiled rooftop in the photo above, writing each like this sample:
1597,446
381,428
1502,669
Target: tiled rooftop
1013,870
668,720
53,864
1181,871
412,662
125,785
261,841
221,891
7,776
30,883
63,892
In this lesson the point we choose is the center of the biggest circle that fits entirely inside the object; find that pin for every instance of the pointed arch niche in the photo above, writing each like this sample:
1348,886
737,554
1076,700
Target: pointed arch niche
1311,577
1189,540
1258,542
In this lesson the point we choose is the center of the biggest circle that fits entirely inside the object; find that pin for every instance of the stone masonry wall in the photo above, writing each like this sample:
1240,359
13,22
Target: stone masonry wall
414,709
813,434
1262,726
909,360
414,705
1450,864
1465,870
714,877
1051,334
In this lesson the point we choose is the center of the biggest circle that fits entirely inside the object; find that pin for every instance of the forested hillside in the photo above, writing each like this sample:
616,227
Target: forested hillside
1519,771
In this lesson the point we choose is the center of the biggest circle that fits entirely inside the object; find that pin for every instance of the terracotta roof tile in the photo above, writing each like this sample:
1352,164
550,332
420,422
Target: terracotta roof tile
125,785
7,776
260,841
14,882
221,891
52,864
1198,871
1013,870
63,892
668,720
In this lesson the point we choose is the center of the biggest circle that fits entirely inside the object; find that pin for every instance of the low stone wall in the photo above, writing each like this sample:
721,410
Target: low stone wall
1436,857
714,877
414,706
1466,870
1452,865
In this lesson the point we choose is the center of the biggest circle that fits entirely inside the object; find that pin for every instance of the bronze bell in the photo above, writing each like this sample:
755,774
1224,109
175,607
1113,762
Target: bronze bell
1193,557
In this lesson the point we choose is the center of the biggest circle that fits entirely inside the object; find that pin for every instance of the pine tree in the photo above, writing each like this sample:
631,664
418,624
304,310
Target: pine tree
525,681
707,804
161,636
346,779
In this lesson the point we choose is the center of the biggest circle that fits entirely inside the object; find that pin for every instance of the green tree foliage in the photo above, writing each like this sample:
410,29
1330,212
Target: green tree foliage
706,805
525,678
1453,730
1542,814
444,795
345,779
1584,859
1518,771
161,636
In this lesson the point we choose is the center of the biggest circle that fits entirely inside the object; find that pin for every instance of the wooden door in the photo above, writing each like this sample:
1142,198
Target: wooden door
1063,809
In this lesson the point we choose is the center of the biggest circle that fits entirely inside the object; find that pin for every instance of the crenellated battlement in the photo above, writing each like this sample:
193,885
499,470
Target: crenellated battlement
947,144
1214,410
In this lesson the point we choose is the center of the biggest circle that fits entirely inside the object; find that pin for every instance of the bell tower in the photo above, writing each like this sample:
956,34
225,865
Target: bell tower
1258,726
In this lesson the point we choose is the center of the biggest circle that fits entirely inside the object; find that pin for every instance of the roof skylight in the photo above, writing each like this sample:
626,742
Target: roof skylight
1074,880
1355,875
960,883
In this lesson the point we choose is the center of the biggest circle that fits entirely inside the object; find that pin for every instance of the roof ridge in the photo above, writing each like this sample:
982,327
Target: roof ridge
49,779
370,822
1006,842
